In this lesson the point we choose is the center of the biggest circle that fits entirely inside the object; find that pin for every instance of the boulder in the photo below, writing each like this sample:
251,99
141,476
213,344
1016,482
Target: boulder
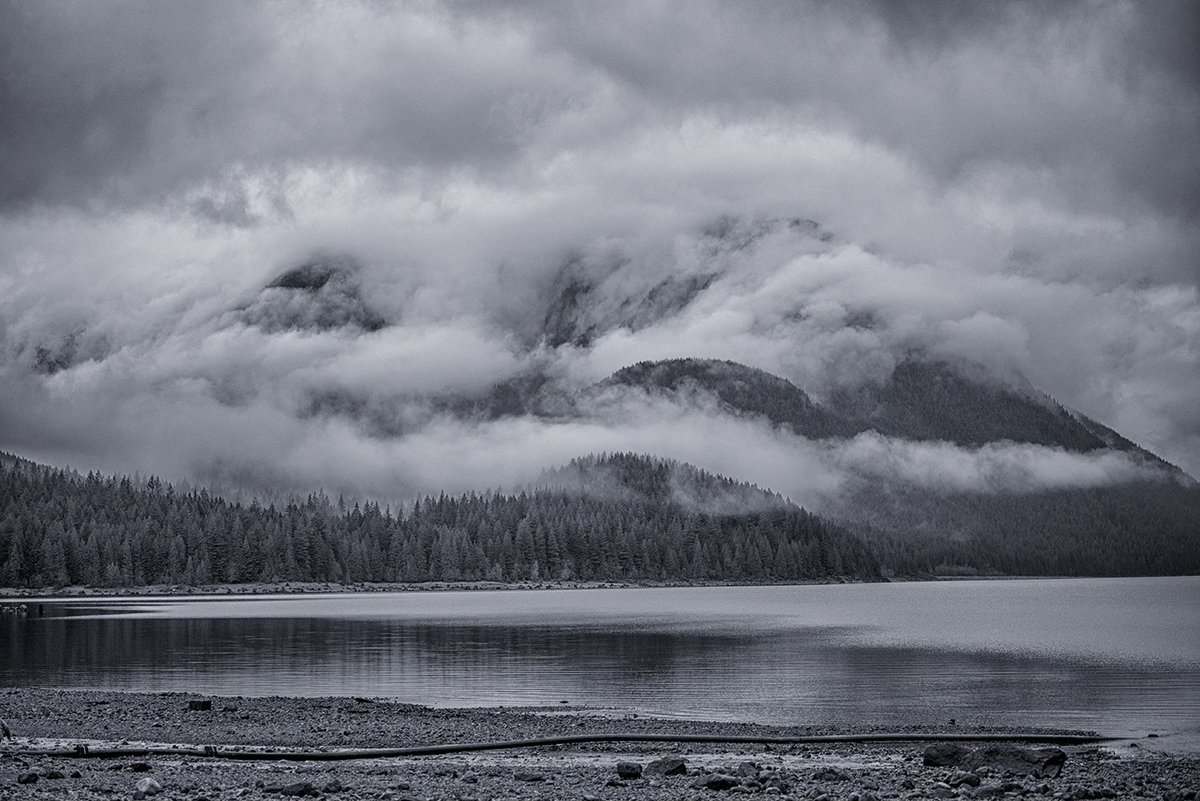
961,777
945,755
30,777
668,766
1045,763
1040,762
200,706
720,781
629,770
148,786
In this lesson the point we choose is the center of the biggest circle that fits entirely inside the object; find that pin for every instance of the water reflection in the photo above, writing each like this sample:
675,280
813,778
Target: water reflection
781,665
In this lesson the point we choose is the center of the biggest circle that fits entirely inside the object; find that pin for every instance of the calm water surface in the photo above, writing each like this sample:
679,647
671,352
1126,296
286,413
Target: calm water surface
1119,655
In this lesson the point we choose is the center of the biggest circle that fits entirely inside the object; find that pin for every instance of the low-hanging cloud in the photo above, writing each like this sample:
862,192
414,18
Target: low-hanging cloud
1014,188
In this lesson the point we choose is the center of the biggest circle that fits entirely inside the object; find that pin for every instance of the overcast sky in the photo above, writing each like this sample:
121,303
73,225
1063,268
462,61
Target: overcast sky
1015,184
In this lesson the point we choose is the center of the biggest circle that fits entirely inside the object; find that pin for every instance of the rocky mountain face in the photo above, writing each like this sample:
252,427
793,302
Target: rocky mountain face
920,401
595,293
741,390
319,295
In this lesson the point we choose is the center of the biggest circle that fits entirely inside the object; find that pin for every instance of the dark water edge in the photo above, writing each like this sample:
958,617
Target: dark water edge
1120,655
26,595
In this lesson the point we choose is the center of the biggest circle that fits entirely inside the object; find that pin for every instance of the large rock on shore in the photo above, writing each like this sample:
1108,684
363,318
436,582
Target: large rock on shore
668,766
147,787
945,755
1040,762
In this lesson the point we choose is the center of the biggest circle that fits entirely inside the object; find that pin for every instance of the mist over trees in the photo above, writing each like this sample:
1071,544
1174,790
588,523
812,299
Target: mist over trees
598,518
58,528
1145,528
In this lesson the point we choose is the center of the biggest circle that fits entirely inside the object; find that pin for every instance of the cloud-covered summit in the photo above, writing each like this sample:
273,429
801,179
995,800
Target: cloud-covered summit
549,192
320,294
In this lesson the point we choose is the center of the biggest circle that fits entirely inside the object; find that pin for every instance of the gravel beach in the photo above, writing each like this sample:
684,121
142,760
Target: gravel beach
51,719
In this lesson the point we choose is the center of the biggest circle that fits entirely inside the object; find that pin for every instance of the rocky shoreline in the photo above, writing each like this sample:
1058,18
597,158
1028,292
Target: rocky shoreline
42,719
12,598
22,594
25,595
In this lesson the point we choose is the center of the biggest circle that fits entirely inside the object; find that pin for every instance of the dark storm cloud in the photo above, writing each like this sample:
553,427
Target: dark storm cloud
1012,184
1105,91
125,102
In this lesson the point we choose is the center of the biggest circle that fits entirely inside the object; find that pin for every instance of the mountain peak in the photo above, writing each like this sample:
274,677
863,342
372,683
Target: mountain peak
740,389
320,294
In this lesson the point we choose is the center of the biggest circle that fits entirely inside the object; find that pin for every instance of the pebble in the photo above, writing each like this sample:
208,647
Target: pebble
529,776
879,771
295,789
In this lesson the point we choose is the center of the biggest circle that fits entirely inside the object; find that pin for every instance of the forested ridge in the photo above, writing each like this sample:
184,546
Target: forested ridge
59,528
1143,528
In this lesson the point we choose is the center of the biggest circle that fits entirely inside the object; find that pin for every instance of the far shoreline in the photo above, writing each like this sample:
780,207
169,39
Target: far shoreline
298,588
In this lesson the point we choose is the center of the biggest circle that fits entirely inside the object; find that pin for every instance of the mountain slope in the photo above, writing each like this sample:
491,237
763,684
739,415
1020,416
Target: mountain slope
740,389
931,400
920,401
598,291
1144,528
1148,525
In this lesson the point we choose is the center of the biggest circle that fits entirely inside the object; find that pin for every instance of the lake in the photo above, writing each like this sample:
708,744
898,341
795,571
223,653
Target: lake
1118,655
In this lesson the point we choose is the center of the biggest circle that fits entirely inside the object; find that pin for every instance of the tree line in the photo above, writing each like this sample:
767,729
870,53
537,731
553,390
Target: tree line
59,528
1143,528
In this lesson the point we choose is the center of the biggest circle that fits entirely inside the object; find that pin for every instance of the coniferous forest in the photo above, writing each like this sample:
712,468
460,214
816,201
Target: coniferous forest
603,518
600,518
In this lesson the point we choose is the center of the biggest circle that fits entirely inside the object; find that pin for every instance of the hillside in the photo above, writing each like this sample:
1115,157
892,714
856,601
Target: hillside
1149,526
620,517
921,401
740,389
933,400
1145,528
641,518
